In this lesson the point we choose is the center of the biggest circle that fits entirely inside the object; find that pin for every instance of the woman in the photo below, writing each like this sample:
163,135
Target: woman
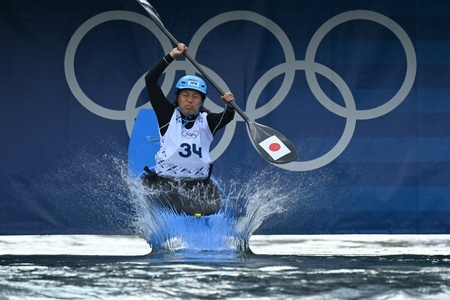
186,129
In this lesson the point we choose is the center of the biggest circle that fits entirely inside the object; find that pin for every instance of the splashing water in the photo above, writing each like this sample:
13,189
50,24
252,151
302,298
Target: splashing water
244,210
91,192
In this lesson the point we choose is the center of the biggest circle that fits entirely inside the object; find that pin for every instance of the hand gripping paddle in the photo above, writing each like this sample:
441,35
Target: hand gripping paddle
271,145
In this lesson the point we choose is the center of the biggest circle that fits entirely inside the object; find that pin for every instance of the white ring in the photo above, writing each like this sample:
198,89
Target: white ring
69,59
388,23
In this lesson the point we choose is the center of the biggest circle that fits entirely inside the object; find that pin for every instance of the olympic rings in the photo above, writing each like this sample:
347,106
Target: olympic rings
190,135
288,68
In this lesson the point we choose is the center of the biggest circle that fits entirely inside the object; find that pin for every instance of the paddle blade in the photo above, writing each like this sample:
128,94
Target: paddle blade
271,145
151,11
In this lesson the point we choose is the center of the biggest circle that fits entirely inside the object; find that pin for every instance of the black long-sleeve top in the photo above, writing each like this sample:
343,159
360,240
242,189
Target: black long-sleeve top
164,108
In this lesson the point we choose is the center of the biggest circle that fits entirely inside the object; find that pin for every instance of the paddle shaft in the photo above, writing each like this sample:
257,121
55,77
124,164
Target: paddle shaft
199,68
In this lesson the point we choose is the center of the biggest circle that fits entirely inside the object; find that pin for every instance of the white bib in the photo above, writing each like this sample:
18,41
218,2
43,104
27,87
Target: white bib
184,153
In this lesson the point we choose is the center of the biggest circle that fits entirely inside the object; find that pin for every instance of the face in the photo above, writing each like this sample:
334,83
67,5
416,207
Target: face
189,101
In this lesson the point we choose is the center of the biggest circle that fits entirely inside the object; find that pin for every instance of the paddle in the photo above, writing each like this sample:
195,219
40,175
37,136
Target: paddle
271,145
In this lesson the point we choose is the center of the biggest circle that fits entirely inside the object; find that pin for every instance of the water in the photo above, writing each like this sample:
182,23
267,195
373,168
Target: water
218,257
245,208
282,267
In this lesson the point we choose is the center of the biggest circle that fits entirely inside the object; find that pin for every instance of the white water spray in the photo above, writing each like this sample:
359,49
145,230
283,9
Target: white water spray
244,210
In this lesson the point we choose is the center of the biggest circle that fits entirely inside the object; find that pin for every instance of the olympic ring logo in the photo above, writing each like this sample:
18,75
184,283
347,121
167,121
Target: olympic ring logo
288,68
190,135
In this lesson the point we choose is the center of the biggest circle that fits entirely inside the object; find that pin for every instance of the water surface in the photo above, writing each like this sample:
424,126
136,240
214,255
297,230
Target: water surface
284,267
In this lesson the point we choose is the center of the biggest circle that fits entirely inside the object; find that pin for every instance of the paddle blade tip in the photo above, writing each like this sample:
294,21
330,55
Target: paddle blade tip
150,9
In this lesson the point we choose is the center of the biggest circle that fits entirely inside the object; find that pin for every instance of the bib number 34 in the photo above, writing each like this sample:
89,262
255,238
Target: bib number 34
189,150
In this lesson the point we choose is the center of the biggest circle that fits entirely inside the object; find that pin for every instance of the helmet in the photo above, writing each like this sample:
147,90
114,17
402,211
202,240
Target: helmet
191,82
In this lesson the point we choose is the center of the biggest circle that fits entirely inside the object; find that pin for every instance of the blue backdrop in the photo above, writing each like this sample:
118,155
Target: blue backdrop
361,87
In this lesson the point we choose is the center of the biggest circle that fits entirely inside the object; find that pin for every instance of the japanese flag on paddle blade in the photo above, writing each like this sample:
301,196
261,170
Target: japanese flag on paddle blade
274,147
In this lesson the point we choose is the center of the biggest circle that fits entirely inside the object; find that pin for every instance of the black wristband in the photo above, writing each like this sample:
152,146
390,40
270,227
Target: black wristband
168,58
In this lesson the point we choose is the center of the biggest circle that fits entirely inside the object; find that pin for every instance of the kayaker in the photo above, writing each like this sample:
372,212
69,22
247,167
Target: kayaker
186,131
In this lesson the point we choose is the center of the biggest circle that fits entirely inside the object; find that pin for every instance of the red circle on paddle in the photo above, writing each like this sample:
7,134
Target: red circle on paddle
274,147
